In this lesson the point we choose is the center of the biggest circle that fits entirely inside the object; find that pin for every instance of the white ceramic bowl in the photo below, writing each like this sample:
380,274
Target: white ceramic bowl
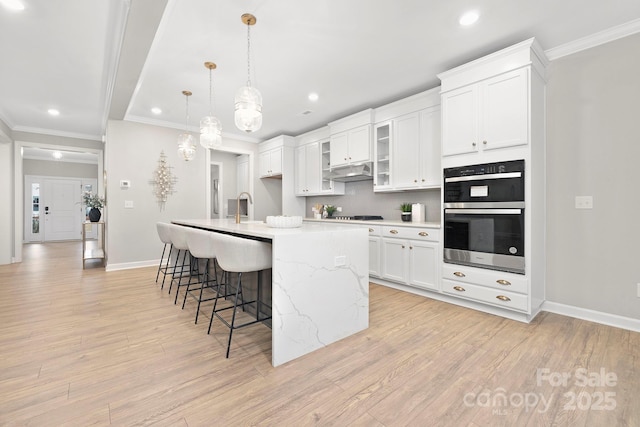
284,221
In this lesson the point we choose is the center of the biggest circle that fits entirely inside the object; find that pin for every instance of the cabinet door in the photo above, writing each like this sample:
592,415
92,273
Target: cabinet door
264,161
374,256
460,121
423,264
300,166
430,168
393,259
312,167
339,149
504,112
360,144
275,158
243,175
406,151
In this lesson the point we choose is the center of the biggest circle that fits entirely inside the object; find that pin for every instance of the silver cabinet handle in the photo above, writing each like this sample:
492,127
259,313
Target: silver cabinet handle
371,230
423,234
503,282
459,274
503,298
459,288
393,231
473,144
484,142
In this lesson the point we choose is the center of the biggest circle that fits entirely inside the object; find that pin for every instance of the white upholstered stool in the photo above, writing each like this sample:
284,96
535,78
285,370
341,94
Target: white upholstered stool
179,240
200,243
240,255
164,233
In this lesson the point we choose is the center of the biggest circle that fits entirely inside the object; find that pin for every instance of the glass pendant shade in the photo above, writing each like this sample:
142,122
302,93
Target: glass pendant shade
248,115
186,146
210,132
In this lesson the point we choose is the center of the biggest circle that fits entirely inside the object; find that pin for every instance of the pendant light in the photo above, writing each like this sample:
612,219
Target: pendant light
210,127
248,101
186,144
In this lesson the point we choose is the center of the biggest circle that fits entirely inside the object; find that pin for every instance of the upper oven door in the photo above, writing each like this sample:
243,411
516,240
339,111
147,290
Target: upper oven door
491,182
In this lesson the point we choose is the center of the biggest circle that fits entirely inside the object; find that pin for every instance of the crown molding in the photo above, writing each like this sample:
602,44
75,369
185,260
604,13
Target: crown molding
602,37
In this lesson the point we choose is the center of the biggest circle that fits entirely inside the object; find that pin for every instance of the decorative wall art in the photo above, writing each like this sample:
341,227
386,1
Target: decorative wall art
163,181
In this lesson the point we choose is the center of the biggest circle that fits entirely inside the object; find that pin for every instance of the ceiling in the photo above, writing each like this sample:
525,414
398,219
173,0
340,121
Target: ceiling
94,59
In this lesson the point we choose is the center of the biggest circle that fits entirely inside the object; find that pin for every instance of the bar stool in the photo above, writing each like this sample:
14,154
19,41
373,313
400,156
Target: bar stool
239,255
200,245
164,232
179,240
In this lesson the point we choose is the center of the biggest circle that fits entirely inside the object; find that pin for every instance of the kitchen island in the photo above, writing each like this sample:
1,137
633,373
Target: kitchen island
320,282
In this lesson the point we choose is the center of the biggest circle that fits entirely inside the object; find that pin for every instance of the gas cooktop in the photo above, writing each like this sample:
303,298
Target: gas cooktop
358,217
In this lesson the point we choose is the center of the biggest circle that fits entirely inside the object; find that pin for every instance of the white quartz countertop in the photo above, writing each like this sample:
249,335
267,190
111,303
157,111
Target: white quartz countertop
382,222
259,228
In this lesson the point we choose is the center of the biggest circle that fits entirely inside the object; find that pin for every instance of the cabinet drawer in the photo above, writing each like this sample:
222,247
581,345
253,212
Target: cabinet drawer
490,278
413,233
487,295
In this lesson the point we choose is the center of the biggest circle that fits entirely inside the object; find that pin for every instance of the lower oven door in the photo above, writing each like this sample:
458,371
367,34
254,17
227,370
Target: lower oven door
487,238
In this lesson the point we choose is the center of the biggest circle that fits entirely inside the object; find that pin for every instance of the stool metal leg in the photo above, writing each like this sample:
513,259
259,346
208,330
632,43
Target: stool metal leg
164,248
233,317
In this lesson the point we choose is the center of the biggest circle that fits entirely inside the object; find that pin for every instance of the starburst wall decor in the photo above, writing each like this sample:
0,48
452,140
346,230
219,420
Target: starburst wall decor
163,181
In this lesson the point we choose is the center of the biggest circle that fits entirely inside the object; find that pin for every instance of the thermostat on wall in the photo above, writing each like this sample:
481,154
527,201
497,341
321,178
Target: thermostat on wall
125,183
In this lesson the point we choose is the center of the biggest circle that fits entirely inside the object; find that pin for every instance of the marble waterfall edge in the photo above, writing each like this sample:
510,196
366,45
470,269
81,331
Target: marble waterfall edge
320,290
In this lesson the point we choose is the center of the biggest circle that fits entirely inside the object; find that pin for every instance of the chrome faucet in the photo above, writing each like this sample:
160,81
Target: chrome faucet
238,205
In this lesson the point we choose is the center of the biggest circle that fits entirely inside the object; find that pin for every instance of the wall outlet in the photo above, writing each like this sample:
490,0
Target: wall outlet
340,261
339,208
128,204
584,202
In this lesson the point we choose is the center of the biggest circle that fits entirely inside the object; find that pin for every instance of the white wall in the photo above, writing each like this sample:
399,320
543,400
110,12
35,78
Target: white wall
132,151
593,148
57,168
6,199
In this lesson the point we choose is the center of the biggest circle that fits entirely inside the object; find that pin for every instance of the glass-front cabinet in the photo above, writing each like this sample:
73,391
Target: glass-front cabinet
382,153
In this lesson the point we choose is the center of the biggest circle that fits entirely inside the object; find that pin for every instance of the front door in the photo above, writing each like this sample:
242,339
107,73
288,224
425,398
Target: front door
61,209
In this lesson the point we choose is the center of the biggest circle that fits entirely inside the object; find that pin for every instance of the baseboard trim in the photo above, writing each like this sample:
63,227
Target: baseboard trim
131,265
592,315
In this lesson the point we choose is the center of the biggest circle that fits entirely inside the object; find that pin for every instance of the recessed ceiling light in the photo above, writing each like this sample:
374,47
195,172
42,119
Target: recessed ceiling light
156,110
57,155
313,96
12,4
53,112
469,18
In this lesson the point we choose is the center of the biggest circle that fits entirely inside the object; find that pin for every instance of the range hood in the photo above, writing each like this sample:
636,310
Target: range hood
350,173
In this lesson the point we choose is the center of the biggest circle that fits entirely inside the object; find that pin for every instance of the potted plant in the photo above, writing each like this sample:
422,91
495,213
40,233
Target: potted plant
330,209
406,211
94,202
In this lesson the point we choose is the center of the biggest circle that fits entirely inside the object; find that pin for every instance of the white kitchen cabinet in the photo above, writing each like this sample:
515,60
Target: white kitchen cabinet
382,156
416,150
490,114
307,167
270,163
407,143
242,171
351,146
374,251
411,256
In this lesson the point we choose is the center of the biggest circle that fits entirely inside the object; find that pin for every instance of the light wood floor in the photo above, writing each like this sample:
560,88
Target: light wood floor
87,347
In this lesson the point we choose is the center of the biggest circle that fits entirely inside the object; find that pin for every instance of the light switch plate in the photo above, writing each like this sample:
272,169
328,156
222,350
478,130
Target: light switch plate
584,202
128,204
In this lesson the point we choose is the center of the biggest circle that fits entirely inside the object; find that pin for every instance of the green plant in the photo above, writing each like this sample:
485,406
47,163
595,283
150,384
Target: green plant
330,209
405,207
93,200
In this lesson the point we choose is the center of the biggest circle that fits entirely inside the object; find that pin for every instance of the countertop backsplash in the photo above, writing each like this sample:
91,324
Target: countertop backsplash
359,199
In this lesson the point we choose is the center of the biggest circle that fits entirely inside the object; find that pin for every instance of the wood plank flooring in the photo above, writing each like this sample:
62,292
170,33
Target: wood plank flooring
84,348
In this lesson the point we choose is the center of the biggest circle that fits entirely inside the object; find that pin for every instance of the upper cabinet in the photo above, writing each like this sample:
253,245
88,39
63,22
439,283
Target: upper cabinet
487,115
491,104
312,165
270,163
351,139
407,144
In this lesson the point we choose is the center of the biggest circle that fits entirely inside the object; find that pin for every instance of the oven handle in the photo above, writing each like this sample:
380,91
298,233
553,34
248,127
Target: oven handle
484,177
484,211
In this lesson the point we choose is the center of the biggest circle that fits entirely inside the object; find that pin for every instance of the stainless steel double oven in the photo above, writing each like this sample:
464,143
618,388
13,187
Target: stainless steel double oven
484,216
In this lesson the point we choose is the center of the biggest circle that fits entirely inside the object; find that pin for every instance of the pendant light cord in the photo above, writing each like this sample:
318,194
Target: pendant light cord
248,55
186,120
